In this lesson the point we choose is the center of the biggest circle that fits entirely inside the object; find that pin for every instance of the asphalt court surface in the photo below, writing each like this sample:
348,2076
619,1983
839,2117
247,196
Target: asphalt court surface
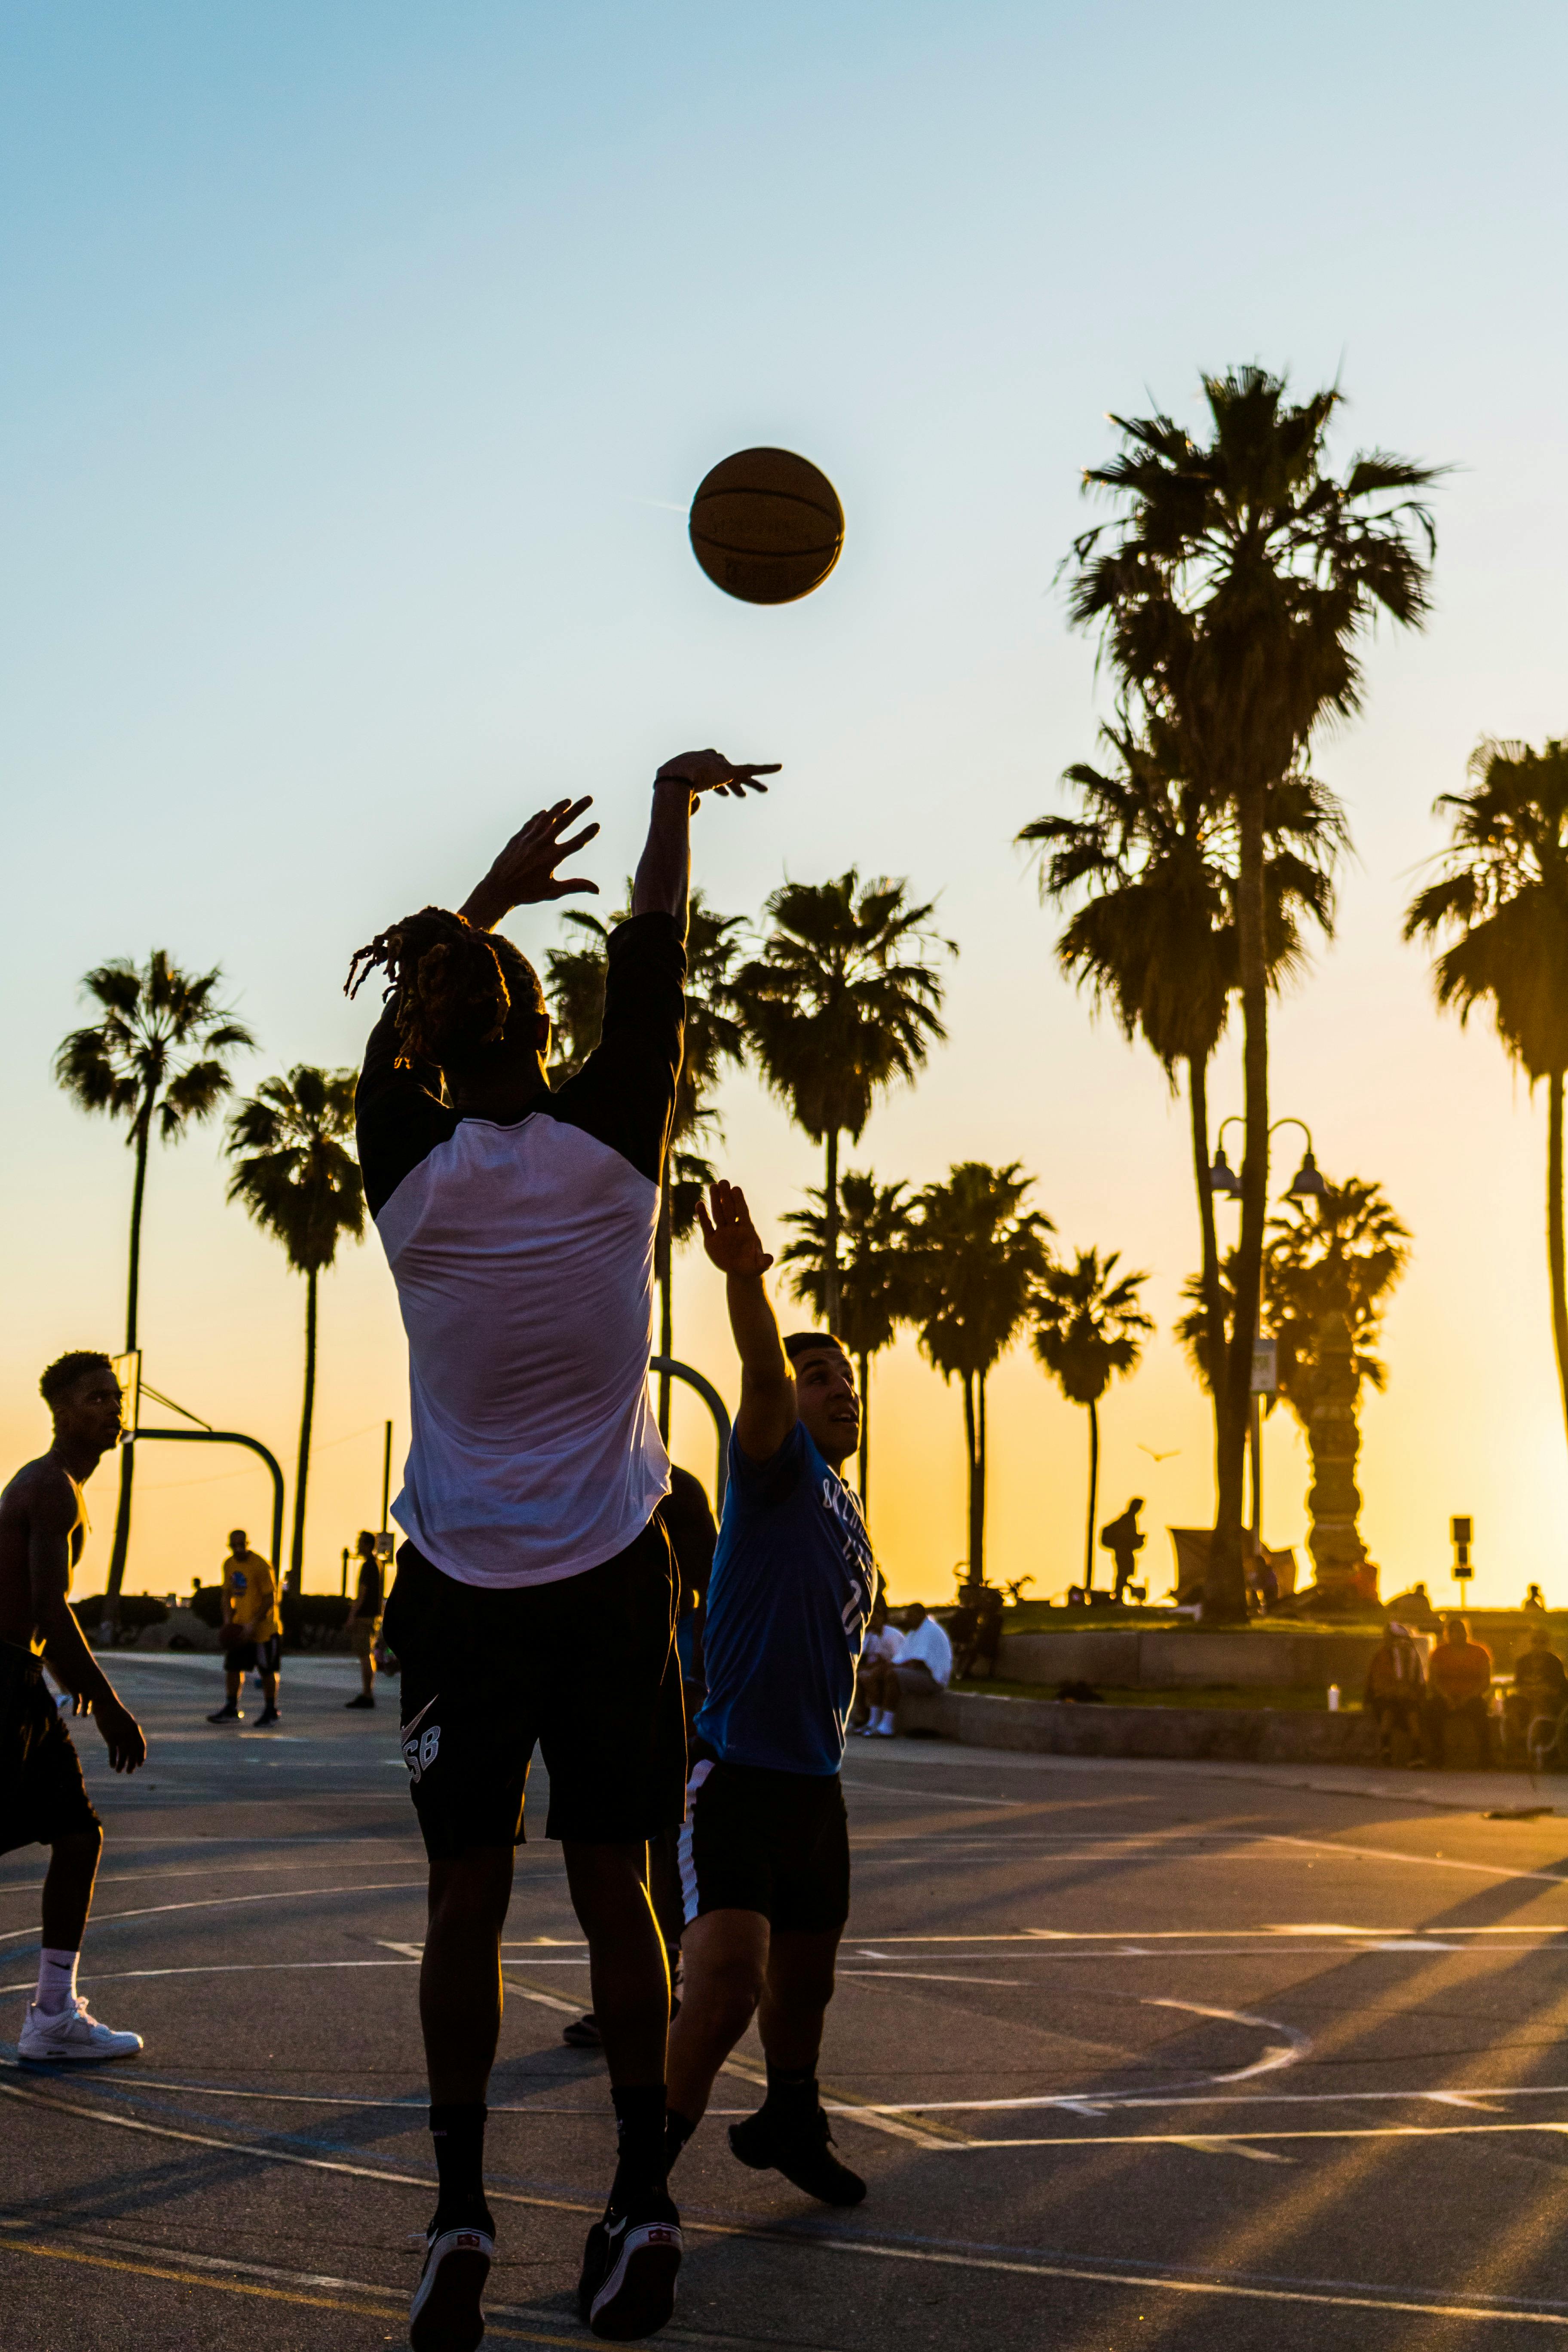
1130,2054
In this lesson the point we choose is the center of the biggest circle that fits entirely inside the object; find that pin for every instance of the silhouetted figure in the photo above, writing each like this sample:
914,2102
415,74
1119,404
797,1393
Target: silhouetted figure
1540,1688
1533,1598
1459,1682
1123,1541
1414,1609
1395,1690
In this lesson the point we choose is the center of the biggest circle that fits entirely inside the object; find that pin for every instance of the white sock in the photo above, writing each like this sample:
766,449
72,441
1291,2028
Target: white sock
884,1719
56,1981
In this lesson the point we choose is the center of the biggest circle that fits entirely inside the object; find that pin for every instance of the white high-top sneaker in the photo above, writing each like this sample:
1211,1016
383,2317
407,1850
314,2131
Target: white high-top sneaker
71,2037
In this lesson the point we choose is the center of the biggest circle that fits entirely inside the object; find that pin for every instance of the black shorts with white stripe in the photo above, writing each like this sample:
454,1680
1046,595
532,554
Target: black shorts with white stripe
777,1842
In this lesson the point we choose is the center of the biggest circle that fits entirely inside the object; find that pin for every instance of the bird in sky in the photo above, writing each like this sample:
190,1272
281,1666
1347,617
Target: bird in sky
1169,1457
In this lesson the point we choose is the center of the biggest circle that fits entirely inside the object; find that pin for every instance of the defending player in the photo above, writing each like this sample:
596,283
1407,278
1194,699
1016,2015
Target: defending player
766,1848
43,1799
534,1598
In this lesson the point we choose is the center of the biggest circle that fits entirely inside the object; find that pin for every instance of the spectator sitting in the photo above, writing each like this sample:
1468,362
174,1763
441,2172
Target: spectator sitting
1540,1687
1394,1688
880,1648
924,1663
1458,1683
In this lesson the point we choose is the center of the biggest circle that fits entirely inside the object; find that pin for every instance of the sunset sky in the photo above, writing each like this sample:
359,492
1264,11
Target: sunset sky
360,365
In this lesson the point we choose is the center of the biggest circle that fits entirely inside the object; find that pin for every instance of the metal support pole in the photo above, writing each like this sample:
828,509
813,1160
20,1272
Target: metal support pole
232,1437
1257,1472
385,1481
716,1406
343,1587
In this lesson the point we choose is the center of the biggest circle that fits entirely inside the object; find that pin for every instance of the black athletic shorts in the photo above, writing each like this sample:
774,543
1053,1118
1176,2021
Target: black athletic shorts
586,1668
262,1656
777,1842
42,1793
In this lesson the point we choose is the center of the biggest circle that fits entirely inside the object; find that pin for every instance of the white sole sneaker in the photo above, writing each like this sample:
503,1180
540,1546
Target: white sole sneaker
71,2037
446,2314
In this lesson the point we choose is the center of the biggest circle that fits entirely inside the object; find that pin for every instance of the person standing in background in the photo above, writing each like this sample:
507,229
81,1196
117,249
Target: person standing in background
251,1631
363,1620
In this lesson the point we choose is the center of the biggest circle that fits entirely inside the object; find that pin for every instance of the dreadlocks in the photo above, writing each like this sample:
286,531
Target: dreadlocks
454,986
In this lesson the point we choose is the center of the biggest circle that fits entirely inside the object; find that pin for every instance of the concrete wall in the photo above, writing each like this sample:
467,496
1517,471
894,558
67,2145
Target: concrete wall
1165,1658
1054,1728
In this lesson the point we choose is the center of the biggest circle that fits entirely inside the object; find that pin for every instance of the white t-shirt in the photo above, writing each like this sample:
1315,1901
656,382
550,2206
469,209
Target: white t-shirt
523,1259
928,1645
881,1649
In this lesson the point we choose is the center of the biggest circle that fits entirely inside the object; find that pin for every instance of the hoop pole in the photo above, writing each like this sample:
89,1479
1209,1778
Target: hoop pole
716,1406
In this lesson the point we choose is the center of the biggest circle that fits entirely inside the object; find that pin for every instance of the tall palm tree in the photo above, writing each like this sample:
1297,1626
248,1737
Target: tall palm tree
1232,593
1153,937
1088,1329
574,981
881,1275
1502,898
982,1253
155,1057
844,999
296,1175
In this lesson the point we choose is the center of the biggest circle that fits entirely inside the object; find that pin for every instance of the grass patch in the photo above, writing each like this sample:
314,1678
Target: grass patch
1279,1696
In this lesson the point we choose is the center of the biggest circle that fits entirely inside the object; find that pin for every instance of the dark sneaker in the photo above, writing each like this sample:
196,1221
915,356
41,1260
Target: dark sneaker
267,1715
228,1713
627,2286
365,1699
446,2315
583,2033
802,2151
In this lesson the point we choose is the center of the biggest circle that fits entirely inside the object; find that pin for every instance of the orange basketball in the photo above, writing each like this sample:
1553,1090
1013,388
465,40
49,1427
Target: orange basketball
766,526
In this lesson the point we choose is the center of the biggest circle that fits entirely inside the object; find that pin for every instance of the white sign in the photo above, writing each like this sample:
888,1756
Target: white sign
1265,1367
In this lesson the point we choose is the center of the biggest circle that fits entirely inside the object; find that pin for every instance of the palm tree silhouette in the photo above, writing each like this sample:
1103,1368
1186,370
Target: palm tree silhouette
881,1275
1502,898
1088,1329
297,1178
843,1000
1232,593
982,1253
575,980
1154,938
155,1055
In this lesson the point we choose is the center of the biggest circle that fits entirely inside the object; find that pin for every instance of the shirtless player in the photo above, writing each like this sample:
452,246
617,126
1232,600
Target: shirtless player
43,1800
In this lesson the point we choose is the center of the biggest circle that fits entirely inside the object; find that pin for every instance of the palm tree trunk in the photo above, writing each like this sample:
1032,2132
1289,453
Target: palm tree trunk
1094,1494
122,1547
977,1507
830,1232
968,1444
1214,1305
663,1260
1554,1227
865,1363
307,1415
1224,1585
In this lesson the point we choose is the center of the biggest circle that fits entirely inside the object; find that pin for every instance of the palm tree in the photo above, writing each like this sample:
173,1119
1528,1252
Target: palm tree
982,1253
157,1054
1502,898
297,1178
1088,1329
843,1000
880,1277
574,989
1154,939
1232,593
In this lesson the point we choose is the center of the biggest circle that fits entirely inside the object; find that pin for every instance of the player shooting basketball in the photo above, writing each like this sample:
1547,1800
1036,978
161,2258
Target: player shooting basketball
534,1598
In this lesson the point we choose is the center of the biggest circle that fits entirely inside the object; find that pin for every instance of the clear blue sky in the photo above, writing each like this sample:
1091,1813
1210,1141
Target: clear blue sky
358,365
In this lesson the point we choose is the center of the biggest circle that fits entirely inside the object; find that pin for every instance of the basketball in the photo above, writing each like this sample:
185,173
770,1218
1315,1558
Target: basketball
766,526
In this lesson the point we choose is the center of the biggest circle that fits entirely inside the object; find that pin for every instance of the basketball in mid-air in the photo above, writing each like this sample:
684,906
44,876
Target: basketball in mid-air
766,526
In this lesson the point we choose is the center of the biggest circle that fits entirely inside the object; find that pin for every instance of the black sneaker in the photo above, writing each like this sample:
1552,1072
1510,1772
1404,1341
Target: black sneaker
583,2033
446,2314
267,1715
228,1713
627,2286
365,1699
801,2151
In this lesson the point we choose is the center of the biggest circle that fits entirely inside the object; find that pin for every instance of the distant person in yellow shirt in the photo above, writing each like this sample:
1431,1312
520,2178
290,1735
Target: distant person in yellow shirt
251,1631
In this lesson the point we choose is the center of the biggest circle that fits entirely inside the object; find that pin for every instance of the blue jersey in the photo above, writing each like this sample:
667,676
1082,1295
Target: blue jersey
792,1588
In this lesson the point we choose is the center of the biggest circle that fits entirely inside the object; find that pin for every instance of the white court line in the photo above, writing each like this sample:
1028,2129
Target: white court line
926,1976
1558,1878
1142,2281
226,1902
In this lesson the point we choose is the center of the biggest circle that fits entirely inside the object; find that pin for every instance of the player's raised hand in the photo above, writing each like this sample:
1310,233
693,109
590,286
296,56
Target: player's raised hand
524,874
729,1236
710,771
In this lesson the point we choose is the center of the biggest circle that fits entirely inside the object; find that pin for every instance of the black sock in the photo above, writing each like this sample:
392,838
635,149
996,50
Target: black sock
676,2132
458,2133
791,2092
639,2139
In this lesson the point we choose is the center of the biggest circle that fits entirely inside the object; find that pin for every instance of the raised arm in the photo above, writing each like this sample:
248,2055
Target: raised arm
663,870
767,1411
53,1521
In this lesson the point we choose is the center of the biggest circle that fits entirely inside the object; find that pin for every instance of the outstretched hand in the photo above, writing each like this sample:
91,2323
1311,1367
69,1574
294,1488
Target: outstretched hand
710,771
729,1236
123,1735
524,875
